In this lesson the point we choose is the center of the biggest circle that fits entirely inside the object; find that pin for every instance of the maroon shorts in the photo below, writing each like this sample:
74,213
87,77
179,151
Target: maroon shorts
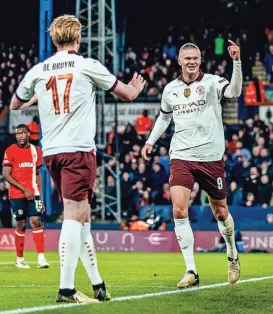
210,176
73,174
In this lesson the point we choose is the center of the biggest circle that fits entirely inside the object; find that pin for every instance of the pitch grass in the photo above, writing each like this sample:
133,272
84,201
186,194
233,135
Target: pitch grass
139,273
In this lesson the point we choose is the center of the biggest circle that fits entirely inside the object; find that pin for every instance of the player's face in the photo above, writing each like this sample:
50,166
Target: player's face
190,60
22,136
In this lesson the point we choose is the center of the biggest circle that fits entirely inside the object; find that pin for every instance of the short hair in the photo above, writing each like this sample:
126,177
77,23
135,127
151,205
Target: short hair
65,29
22,126
188,46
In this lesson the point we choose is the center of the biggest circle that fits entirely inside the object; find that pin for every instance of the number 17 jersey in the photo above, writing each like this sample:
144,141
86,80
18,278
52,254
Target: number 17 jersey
65,85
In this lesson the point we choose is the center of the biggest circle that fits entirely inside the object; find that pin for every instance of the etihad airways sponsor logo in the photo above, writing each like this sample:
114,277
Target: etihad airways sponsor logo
26,164
189,105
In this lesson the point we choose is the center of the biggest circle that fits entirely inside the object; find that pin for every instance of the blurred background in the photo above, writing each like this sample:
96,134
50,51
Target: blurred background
145,36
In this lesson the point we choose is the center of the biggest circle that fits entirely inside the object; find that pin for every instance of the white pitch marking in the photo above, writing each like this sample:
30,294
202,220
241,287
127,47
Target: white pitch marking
130,297
13,263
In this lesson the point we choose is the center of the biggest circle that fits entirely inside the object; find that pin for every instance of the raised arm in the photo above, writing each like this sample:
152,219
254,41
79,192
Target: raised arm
234,89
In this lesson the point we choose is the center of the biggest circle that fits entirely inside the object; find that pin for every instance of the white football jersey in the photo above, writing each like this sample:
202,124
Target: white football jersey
65,85
197,115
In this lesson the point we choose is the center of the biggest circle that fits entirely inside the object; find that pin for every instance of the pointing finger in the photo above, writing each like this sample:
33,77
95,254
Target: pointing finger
232,42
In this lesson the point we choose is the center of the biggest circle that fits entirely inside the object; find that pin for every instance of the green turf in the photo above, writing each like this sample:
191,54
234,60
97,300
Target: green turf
138,273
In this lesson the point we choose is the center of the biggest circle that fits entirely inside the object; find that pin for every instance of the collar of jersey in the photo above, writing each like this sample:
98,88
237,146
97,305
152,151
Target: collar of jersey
198,79
70,52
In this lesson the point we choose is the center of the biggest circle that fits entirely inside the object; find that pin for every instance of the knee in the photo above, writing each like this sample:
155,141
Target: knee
221,212
21,225
77,210
35,222
180,211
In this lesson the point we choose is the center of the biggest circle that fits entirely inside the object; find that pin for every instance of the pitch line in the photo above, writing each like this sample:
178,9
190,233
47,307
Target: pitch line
131,297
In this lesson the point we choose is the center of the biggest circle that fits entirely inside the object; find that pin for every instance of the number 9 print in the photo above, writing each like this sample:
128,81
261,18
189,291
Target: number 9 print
219,183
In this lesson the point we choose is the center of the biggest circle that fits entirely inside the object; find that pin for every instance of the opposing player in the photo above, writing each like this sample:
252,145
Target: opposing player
21,169
197,148
65,85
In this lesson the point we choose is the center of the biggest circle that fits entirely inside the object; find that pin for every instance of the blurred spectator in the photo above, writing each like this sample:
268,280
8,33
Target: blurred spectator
219,46
125,189
128,137
164,198
144,124
269,219
250,200
264,192
158,179
34,128
170,49
164,159
234,195
268,63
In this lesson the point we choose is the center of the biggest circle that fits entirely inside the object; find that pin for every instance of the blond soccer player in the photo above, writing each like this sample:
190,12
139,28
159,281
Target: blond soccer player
65,86
197,148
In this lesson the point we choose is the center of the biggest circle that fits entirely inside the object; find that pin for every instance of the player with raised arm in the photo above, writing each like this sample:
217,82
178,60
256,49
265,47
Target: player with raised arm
65,85
21,169
197,148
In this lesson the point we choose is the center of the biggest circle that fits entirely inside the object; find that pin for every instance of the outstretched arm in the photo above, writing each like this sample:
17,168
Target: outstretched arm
161,124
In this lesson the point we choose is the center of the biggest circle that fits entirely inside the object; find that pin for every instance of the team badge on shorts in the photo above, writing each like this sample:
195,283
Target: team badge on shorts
187,92
200,90
20,212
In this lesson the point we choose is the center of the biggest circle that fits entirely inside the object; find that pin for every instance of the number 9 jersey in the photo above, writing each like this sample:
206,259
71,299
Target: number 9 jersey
65,85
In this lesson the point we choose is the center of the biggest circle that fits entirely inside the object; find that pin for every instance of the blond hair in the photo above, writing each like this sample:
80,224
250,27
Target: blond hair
65,29
188,46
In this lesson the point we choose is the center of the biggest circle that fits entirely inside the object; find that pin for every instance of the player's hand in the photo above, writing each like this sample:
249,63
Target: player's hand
146,150
28,194
234,50
137,82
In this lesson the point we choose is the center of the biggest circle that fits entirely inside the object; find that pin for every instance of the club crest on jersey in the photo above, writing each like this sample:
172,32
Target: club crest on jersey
187,92
200,90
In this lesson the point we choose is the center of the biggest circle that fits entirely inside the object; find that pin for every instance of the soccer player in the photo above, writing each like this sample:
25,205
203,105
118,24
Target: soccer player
65,85
197,148
21,169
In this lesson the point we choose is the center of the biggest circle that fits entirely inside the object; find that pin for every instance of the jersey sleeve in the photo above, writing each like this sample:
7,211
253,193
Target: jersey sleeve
25,90
220,85
40,157
8,158
165,106
99,75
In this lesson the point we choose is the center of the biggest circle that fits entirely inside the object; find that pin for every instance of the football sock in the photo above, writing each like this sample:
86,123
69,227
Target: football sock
88,255
38,238
69,250
19,242
227,230
185,239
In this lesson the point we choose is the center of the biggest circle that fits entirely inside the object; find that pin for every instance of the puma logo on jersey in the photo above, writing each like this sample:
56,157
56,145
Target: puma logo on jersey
26,164
175,94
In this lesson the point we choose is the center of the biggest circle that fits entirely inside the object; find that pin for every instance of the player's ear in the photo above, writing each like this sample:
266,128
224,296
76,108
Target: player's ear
178,60
79,39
